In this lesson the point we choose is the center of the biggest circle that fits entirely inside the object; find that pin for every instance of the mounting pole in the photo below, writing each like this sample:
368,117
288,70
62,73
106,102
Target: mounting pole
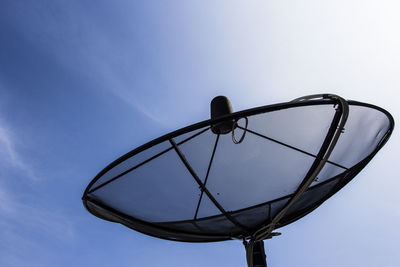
255,253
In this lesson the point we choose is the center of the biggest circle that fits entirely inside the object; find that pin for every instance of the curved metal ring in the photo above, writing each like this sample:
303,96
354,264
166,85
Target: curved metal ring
244,131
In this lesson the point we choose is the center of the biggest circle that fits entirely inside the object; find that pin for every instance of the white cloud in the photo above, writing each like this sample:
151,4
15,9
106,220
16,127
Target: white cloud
10,155
26,227
20,213
17,213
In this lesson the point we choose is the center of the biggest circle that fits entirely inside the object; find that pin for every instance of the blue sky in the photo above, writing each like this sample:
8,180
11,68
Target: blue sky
83,82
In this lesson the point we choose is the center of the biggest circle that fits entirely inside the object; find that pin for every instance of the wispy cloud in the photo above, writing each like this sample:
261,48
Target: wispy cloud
12,209
26,229
17,213
24,222
10,155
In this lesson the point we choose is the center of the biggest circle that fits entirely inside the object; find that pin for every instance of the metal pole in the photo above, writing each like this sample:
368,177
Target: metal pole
255,254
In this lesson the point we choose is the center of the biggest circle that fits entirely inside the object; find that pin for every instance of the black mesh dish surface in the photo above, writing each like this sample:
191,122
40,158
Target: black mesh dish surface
197,186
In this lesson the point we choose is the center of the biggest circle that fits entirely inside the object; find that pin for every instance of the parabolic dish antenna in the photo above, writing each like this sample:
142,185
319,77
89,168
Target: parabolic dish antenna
240,175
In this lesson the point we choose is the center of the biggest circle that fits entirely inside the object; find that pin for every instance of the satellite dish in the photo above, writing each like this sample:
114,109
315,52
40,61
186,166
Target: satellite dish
241,175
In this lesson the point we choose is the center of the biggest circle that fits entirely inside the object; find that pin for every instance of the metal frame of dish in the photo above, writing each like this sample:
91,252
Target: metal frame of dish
264,231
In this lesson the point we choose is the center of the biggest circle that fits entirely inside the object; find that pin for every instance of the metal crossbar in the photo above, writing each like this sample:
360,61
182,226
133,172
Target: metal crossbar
144,162
210,196
205,180
289,146
327,147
